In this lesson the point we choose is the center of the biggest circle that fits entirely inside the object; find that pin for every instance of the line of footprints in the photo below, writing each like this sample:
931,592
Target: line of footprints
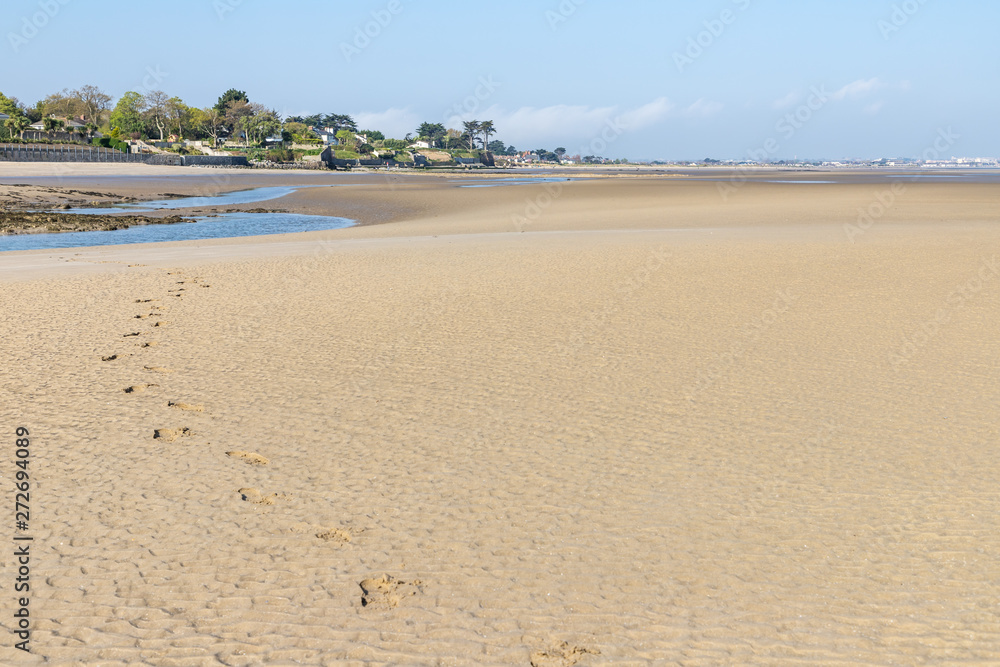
382,592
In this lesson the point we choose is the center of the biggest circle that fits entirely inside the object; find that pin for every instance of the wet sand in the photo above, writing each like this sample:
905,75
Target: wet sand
610,421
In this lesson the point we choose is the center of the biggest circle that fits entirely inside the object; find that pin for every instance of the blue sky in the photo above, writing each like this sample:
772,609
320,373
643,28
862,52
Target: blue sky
641,79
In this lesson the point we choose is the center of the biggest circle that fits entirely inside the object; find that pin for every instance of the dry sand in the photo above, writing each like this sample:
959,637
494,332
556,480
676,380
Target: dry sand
642,426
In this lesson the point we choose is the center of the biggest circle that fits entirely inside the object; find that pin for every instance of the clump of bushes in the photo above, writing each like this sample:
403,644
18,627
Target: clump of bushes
114,144
280,155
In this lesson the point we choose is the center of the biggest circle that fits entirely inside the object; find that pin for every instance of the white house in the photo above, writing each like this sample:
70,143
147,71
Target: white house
327,135
69,124
420,144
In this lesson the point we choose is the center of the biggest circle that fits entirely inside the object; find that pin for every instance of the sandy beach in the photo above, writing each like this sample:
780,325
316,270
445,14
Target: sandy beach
629,419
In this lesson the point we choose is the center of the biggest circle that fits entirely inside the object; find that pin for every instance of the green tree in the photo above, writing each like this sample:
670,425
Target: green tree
17,121
347,139
432,132
338,122
211,122
560,152
94,101
486,128
471,129
127,115
17,124
261,123
231,95
236,113
178,114
63,103
10,106
156,110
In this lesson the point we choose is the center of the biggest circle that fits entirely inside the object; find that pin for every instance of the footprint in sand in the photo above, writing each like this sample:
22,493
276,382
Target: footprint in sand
171,434
134,333
146,300
138,388
253,458
562,655
186,406
151,343
335,535
161,323
157,369
111,358
386,592
252,495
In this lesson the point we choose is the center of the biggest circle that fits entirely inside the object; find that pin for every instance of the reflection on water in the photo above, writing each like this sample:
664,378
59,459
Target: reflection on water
226,225
228,199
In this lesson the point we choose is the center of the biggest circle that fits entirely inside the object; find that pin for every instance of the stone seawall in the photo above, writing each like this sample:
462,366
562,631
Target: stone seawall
39,153
214,160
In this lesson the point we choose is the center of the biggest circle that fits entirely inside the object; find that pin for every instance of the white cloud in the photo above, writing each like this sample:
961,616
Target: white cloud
701,108
647,114
394,123
787,101
873,109
560,124
858,88
570,124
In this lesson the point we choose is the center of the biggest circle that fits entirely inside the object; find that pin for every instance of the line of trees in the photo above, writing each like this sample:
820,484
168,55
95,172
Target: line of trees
233,115
473,130
155,115
89,103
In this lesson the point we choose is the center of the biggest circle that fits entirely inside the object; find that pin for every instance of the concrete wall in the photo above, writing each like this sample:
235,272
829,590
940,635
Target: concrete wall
214,160
46,153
